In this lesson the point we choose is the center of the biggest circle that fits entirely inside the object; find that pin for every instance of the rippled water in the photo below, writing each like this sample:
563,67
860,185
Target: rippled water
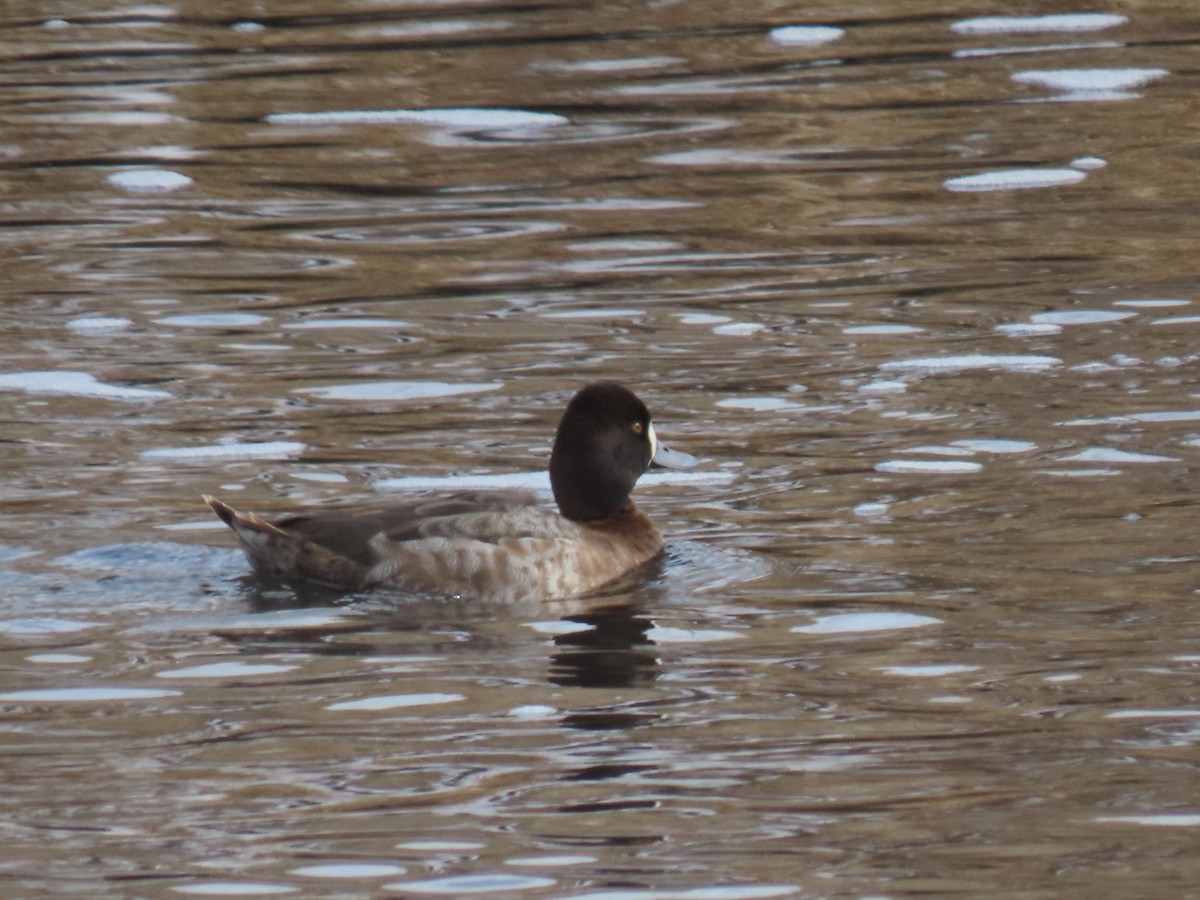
918,286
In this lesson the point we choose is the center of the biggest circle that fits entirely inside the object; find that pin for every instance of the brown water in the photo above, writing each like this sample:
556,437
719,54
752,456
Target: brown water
927,621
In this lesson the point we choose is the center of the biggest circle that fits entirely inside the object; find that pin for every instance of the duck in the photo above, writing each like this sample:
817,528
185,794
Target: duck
498,546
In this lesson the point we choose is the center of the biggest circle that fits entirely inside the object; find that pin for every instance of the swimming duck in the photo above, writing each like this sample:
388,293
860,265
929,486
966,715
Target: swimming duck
488,546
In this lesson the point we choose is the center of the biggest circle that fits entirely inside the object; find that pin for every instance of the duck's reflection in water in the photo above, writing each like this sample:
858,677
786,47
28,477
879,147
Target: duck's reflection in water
614,651
605,642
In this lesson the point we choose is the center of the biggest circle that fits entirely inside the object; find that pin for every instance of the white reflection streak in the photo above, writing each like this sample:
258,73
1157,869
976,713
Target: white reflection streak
1063,22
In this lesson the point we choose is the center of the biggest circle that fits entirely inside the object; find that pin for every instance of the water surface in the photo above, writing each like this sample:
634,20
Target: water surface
916,284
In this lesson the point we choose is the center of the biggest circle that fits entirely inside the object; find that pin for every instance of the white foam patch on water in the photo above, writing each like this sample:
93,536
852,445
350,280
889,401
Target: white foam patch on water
559,626
1180,415
98,325
213,320
620,64
1177,320
436,27
1027,329
234,889
74,384
849,623
664,634
205,524
805,35
1089,163
739,328
350,870
1084,473
1109,455
1154,714
1168,820
149,181
1068,22
914,416
928,467
57,659
930,671
933,365
85,694
702,319
465,118
398,390
985,52
882,329
1153,303
987,445
1014,180
257,347
1085,81
624,246
396,701
597,313
534,712
226,670
883,386
321,324
208,452
871,509
43,625
482,883
1080,317
138,118
166,151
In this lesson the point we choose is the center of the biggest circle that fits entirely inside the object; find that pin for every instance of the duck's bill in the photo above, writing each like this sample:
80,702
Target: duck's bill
666,457
673,459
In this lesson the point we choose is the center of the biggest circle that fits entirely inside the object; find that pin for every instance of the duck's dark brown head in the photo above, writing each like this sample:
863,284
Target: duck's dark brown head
604,443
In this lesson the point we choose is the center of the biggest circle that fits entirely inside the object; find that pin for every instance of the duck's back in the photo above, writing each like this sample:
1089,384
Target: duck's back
349,532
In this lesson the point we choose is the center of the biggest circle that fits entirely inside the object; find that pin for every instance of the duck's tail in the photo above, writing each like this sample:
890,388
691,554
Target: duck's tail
280,555
245,525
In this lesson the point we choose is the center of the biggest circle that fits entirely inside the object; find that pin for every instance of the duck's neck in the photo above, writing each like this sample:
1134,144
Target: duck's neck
584,496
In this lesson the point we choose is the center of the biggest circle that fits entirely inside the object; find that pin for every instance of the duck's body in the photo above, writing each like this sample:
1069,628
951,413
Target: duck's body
499,549
496,547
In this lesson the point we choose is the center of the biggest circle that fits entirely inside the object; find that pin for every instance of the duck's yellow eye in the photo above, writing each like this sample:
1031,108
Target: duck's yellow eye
638,428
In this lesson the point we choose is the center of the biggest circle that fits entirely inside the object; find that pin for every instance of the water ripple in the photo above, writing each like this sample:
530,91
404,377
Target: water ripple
464,118
601,130
74,384
433,232
1079,22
